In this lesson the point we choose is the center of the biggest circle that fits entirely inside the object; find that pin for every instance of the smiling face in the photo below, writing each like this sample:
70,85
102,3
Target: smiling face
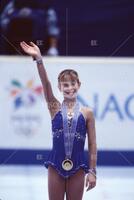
69,84
69,89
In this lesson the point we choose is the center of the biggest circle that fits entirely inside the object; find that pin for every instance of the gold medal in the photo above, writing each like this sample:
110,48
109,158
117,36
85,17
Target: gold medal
67,164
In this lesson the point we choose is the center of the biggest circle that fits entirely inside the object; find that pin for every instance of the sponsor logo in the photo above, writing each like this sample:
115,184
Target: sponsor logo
25,118
24,95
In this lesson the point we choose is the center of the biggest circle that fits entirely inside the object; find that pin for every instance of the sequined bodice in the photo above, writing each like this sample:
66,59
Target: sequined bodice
57,130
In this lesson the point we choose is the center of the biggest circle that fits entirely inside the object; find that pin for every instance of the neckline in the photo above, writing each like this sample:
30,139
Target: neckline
80,113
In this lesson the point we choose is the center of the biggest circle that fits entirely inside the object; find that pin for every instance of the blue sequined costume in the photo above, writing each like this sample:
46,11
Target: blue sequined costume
57,154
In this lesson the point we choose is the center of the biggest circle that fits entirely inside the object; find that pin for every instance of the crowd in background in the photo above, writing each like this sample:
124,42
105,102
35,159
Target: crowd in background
31,20
69,28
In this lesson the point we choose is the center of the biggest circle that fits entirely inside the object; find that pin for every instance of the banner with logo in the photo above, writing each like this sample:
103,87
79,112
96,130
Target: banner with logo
107,86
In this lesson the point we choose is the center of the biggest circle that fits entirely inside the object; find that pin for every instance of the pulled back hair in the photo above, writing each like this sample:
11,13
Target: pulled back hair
72,74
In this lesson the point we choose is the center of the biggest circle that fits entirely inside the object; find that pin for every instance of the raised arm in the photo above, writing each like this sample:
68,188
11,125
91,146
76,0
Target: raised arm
34,51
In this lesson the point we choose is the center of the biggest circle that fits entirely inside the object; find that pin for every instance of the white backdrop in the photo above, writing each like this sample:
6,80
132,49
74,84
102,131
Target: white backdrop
107,87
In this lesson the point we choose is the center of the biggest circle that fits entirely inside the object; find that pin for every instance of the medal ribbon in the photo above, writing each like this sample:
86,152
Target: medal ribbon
69,132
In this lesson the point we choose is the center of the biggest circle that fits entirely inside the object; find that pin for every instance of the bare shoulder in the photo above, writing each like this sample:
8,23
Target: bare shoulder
88,113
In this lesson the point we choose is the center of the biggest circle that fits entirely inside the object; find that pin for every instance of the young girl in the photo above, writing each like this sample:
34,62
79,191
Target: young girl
70,124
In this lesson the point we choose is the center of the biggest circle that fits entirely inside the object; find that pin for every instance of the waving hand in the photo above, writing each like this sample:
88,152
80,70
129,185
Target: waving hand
32,49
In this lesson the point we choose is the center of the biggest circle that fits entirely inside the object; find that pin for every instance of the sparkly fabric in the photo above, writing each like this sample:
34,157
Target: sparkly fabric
57,154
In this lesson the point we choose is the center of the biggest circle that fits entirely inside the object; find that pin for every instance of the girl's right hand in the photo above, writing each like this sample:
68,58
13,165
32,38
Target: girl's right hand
32,50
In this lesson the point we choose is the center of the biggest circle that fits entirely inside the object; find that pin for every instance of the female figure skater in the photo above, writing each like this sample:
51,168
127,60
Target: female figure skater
70,124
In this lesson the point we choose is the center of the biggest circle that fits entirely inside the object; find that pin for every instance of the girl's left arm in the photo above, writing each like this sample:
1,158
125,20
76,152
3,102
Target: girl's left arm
92,147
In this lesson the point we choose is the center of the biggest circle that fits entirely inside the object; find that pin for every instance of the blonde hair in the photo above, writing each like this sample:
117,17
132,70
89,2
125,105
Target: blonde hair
72,74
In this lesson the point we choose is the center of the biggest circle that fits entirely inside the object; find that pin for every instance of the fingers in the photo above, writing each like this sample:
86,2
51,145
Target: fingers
88,188
21,44
31,49
32,44
90,184
87,182
24,45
